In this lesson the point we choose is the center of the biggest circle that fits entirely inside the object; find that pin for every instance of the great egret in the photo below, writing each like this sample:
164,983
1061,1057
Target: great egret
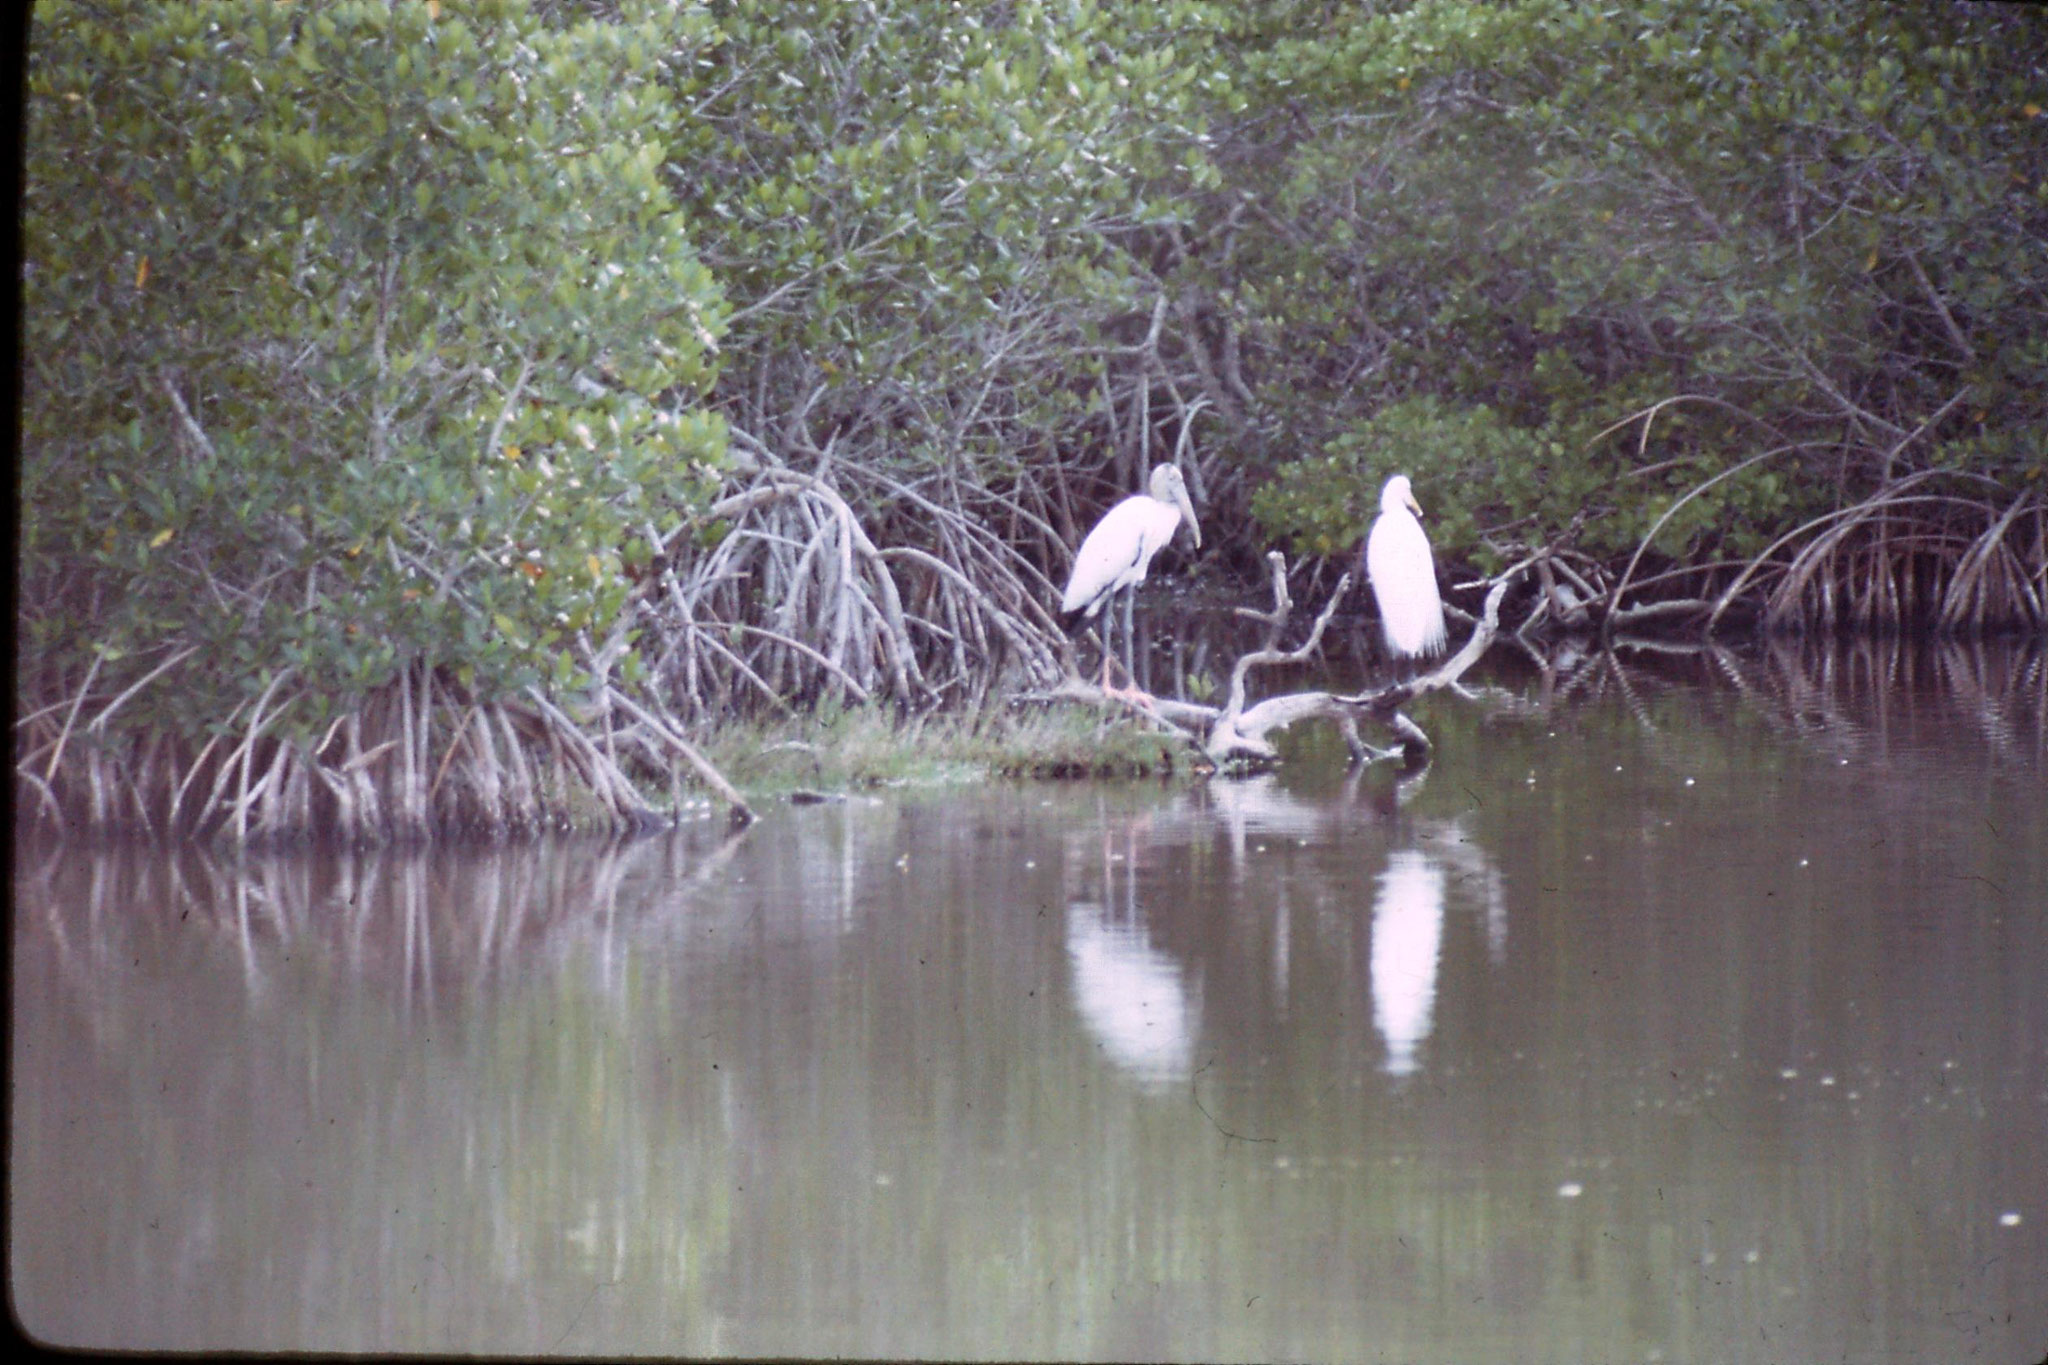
1403,576
1114,556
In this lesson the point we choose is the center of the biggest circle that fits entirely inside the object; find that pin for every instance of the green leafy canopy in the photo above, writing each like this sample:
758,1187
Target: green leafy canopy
355,334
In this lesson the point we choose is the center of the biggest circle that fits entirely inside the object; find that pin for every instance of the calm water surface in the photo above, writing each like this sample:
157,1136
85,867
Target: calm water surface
1687,1010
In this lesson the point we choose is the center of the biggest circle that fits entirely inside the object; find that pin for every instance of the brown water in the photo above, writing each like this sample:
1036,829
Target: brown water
1690,1010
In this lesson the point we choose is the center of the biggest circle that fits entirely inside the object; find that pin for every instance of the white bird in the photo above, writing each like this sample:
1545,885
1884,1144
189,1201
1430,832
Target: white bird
1115,555
1403,575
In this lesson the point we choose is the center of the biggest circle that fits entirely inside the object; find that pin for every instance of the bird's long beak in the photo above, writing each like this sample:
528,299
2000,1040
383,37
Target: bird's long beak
1413,505
1187,511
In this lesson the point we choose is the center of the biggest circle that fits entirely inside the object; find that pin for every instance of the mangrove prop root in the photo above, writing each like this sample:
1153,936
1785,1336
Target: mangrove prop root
421,760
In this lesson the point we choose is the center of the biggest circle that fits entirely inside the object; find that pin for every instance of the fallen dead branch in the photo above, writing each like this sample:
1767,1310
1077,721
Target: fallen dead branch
1240,731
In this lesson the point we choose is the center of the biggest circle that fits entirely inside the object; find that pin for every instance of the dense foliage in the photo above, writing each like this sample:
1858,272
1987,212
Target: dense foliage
358,334
1810,229
612,366
922,214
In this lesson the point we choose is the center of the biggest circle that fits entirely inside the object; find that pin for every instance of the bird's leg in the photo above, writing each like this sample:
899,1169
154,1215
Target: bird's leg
1108,623
1130,638
1133,694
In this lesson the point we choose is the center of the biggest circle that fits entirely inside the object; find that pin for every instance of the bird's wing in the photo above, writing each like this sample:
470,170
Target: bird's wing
1107,555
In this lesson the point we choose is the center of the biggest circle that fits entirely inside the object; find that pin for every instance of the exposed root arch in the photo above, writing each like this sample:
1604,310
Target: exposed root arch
842,585
1905,557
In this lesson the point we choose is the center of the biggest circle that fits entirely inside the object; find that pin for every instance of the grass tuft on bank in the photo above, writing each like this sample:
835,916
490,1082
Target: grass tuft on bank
843,750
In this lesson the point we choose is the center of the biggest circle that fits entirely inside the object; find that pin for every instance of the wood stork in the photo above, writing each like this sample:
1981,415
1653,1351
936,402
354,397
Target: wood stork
1115,555
1398,562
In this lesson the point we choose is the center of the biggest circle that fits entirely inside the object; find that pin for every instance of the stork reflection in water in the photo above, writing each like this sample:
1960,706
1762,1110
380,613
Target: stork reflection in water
1133,997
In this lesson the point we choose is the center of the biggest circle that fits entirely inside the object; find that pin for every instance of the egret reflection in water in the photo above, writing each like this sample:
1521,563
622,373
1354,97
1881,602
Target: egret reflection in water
1407,938
1443,866
1409,896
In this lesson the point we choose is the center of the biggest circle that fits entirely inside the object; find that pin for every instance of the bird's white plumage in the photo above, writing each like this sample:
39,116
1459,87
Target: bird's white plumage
1118,551
1403,574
